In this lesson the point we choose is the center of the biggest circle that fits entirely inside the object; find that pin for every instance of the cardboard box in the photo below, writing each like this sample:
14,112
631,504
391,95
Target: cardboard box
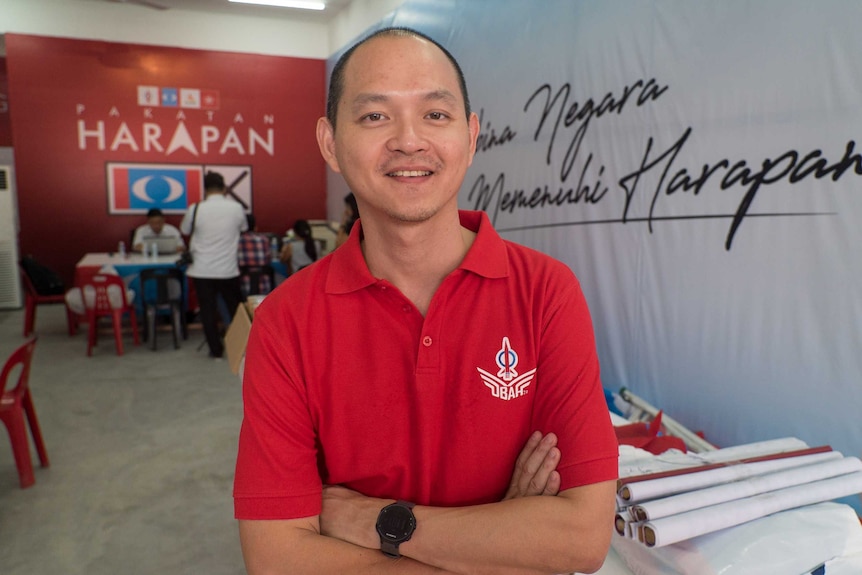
236,337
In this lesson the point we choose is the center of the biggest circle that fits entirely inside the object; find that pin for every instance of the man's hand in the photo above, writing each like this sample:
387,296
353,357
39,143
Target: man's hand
536,468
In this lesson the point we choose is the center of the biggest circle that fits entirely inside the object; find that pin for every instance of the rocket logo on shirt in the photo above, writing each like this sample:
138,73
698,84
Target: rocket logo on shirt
507,383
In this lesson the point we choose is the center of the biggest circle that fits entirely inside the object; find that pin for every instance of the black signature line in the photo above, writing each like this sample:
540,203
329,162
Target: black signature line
665,218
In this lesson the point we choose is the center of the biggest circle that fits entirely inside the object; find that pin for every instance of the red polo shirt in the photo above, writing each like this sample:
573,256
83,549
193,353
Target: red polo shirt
346,383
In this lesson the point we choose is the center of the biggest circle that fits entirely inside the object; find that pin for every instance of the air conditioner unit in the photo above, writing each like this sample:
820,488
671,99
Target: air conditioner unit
10,281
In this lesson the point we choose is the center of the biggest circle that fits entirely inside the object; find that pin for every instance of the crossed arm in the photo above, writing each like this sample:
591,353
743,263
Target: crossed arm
523,533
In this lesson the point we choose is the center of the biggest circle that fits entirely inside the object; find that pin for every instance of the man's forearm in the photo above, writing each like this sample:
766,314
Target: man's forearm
530,531
343,539
310,553
283,547
542,534
570,532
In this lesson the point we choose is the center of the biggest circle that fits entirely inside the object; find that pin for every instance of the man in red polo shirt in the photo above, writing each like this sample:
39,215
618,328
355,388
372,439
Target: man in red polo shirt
427,390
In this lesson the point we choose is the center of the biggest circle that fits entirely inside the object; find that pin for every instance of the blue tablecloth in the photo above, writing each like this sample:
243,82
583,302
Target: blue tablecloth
128,267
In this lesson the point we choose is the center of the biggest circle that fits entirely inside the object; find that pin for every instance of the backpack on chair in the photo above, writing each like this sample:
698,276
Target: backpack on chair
44,279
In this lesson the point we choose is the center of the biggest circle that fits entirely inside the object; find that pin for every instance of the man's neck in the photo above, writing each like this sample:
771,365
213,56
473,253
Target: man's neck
416,258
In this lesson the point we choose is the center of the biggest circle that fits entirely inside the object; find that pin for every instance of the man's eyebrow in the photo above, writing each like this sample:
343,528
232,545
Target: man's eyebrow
441,95
366,98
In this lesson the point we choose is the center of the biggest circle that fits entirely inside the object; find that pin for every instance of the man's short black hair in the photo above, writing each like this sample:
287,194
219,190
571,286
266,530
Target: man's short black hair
213,181
336,81
155,213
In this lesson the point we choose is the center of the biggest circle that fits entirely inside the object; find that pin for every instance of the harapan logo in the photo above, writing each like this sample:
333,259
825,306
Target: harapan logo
507,384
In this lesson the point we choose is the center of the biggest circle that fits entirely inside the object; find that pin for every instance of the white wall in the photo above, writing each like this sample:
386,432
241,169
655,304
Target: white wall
184,29
355,19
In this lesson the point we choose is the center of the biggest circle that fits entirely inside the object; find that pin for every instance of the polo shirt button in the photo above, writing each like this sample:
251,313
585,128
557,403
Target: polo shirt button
406,309
426,341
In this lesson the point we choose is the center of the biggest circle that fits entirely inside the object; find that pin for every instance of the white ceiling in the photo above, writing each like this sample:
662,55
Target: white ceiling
225,7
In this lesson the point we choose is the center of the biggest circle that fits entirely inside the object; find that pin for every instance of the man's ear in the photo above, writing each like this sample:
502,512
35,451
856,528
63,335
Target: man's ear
473,128
326,143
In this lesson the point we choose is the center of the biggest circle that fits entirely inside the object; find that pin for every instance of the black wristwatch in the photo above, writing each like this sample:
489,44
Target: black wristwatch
395,525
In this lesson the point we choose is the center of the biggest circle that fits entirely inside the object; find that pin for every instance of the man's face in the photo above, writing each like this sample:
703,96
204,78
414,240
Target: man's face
403,142
156,223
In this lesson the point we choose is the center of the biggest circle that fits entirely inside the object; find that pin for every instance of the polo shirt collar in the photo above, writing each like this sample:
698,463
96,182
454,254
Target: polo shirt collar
348,271
487,256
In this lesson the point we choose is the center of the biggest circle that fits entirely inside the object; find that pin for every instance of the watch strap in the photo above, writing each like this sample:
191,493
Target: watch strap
389,548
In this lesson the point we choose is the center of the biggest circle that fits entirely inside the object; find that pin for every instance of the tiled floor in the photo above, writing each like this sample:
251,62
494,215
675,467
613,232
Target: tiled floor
142,451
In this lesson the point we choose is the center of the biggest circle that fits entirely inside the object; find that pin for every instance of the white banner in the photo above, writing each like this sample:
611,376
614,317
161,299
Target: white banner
695,163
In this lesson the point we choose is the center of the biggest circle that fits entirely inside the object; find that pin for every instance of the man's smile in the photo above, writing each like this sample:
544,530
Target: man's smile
409,173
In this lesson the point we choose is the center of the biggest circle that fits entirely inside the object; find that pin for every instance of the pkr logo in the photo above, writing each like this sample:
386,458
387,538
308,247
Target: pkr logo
507,384
162,188
135,188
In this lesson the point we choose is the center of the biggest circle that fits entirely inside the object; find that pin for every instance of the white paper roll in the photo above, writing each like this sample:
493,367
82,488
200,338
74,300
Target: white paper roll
639,491
755,449
668,530
690,500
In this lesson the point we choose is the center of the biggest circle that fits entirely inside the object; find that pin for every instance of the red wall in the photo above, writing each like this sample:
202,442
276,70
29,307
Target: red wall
5,123
75,106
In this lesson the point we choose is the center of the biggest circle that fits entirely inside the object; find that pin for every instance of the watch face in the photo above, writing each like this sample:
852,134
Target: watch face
396,523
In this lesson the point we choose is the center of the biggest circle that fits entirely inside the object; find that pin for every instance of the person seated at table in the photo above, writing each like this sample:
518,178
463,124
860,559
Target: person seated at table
300,250
156,229
254,250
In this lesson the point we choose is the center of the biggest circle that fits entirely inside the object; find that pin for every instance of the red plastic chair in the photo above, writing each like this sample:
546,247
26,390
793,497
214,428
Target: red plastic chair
15,403
99,305
32,298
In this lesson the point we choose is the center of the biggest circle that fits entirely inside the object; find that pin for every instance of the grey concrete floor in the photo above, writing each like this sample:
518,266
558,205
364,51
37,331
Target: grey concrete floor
142,450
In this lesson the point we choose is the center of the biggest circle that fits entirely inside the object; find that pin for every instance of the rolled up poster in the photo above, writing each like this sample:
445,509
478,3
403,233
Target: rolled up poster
695,468
675,528
690,500
655,488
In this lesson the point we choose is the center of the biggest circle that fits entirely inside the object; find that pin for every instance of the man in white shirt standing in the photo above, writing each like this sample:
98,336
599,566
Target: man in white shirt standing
214,226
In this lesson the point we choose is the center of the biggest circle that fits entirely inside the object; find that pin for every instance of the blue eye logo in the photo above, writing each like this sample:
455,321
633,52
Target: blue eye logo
158,189
137,188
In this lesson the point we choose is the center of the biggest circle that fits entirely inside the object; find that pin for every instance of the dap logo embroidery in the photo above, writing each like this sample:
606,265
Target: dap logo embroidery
507,384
